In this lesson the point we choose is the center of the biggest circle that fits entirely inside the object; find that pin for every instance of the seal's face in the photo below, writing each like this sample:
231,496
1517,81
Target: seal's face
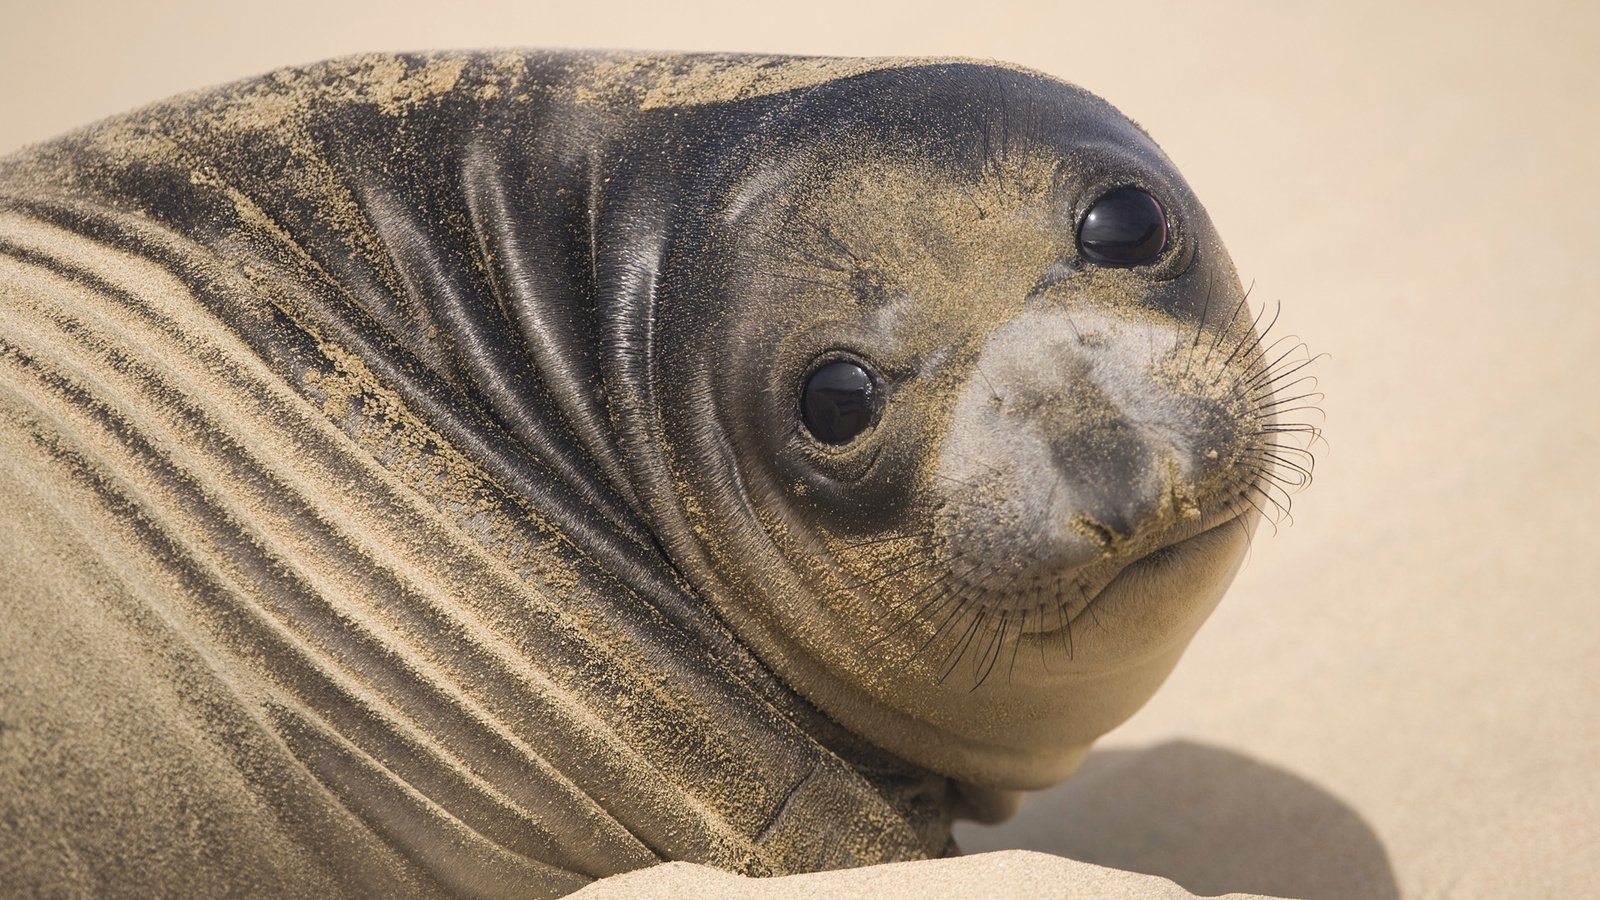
986,431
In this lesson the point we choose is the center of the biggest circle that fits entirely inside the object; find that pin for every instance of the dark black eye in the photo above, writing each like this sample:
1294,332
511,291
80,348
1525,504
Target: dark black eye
838,402
1126,227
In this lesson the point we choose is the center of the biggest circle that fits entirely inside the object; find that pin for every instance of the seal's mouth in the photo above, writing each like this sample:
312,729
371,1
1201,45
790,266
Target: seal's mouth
1104,581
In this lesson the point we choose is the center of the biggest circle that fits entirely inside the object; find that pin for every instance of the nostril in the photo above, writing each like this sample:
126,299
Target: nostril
1099,532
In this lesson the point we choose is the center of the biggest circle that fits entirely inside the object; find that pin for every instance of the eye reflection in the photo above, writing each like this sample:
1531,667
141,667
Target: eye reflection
1125,227
838,402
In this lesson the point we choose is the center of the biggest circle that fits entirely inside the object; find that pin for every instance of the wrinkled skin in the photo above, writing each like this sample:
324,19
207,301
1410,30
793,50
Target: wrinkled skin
410,495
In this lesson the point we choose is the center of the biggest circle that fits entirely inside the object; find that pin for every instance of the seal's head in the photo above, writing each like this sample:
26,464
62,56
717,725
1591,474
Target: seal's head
962,412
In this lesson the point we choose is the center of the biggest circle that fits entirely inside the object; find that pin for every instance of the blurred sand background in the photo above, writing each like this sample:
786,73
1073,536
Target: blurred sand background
1401,695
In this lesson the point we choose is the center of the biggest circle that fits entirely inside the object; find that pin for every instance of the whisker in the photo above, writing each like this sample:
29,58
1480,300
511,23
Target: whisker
896,604
949,617
1255,367
1260,335
993,394
1262,407
1297,366
1200,327
1266,390
1304,472
991,654
865,582
954,480
1016,645
972,458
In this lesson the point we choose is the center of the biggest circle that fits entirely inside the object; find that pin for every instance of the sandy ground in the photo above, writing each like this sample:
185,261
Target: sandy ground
1399,698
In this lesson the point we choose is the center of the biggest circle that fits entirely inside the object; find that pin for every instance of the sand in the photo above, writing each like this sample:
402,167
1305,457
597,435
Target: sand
1398,698
1010,875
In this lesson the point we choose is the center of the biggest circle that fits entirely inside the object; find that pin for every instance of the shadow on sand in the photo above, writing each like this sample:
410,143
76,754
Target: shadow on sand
1211,820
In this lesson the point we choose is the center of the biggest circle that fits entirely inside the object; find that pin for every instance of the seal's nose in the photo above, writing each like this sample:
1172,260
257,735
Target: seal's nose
1108,471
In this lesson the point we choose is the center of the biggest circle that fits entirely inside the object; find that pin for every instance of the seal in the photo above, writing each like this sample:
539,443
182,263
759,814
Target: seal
481,473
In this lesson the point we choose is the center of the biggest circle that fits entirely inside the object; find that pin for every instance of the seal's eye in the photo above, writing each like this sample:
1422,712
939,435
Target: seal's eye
838,402
1126,227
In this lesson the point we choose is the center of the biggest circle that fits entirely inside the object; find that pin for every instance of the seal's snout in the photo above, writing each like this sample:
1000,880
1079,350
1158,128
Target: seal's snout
1067,446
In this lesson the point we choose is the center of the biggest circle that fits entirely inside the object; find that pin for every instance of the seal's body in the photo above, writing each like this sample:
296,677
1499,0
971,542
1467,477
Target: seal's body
482,473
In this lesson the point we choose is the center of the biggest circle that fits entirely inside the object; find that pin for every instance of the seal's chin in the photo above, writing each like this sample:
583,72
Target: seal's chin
1073,683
